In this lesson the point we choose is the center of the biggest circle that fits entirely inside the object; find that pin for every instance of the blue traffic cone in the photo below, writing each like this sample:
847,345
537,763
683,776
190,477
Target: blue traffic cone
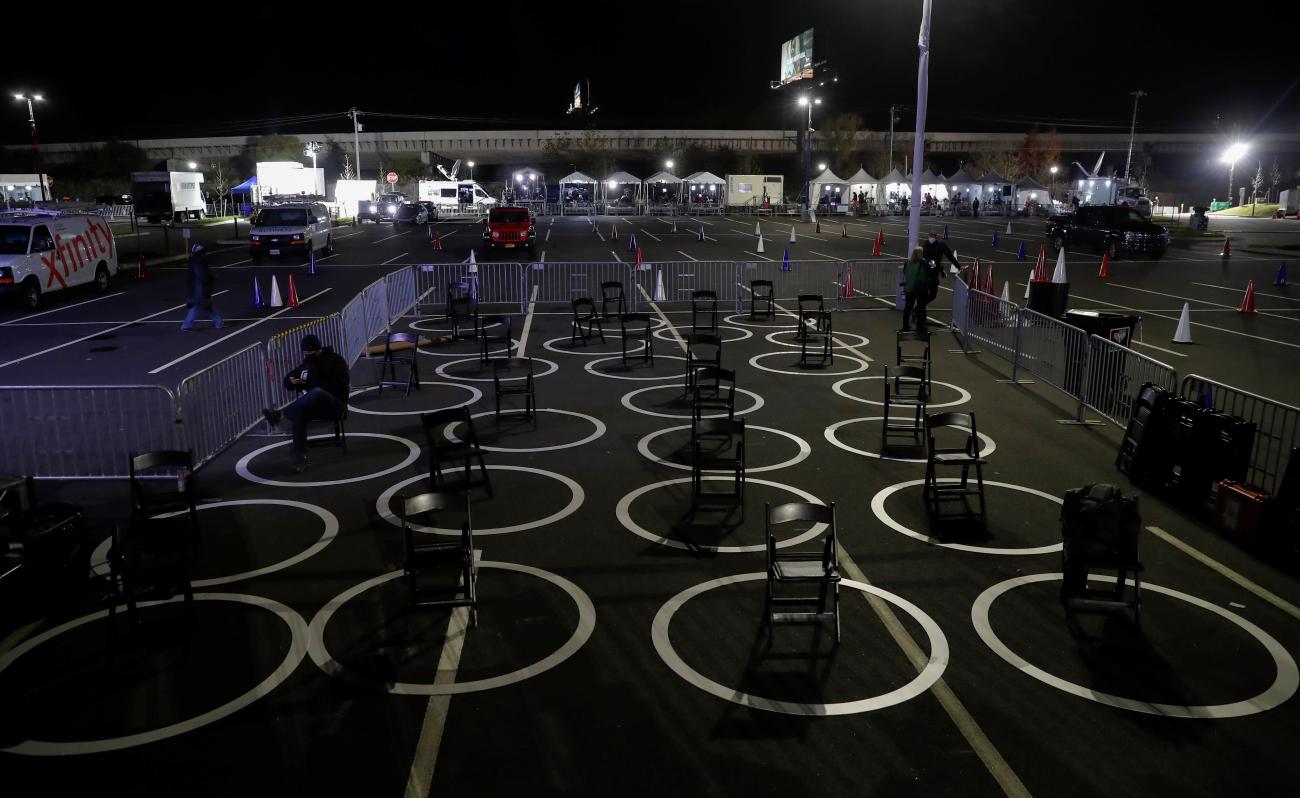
1281,274
311,261
945,232
701,238
631,243
995,238
785,261
1021,255
257,294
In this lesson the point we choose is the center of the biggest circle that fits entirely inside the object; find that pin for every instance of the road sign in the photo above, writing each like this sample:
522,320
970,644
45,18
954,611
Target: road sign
392,178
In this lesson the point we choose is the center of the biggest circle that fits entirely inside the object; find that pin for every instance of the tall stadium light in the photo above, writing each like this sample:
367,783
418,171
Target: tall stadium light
1230,157
918,144
36,146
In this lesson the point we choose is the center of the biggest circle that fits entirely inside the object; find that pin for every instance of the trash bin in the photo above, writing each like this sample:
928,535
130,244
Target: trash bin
1049,299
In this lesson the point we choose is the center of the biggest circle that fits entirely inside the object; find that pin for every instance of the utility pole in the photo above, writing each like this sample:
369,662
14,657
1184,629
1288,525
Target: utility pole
1137,95
893,117
356,137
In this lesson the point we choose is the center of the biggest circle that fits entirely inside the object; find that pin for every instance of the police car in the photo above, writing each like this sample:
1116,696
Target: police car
44,251
291,229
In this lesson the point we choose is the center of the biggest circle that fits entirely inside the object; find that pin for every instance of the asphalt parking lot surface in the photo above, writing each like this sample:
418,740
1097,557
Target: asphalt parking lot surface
621,644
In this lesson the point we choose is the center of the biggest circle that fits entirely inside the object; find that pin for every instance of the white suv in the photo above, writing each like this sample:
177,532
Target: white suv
43,251
291,229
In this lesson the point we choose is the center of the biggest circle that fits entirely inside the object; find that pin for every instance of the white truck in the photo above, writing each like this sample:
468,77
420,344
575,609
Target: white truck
452,195
174,196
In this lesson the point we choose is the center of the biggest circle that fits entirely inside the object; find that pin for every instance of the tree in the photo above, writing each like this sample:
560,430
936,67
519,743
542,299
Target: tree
1276,175
277,148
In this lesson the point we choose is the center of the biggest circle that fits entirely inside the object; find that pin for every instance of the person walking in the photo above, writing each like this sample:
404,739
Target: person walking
200,291
323,381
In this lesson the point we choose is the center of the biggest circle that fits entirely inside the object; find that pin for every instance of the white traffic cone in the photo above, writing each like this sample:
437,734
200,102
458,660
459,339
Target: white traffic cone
276,301
759,249
758,229
1183,335
1058,276
1006,291
1029,281
659,286
792,234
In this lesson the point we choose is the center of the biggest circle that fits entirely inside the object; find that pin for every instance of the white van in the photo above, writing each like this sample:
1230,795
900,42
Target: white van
452,195
43,251
291,230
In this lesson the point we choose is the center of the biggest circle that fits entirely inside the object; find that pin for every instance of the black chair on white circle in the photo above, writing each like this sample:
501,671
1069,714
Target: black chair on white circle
494,333
905,387
803,565
514,377
718,444
704,304
636,327
964,455
816,340
464,451
406,355
762,296
430,556
612,292
586,322
702,349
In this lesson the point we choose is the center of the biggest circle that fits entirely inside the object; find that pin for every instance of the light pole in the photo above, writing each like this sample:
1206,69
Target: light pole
471,171
809,102
1230,157
36,147
1137,95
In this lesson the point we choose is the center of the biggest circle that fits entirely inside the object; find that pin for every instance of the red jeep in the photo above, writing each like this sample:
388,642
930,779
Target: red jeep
510,228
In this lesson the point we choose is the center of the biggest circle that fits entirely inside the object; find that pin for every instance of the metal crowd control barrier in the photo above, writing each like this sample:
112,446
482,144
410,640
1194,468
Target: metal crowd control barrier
400,288
1277,426
991,322
1116,375
222,402
84,431
561,282
284,352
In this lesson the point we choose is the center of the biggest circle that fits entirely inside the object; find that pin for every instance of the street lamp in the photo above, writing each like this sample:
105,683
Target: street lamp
1230,157
36,147
471,170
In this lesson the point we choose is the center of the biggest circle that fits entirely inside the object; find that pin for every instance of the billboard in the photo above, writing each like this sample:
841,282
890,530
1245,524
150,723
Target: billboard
797,58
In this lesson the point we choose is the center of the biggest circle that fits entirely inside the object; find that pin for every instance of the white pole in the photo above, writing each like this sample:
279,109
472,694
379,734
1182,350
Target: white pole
918,145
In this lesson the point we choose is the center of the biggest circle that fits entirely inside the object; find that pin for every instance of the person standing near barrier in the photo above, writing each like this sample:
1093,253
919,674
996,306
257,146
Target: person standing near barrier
200,290
323,380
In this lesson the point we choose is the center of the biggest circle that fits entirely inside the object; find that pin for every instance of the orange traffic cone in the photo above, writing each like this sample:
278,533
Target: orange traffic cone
1105,266
1227,248
437,243
1248,301
143,271
293,293
848,282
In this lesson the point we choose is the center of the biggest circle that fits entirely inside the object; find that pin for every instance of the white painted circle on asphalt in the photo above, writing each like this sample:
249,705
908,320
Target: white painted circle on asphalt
577,496
860,365
412,454
627,402
597,423
643,446
962,393
830,434
878,507
475,395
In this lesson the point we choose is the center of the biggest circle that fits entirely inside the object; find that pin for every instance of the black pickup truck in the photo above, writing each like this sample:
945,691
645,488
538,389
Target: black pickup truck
1111,229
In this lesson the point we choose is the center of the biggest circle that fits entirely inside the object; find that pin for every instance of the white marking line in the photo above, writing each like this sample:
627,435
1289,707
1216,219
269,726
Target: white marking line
1226,572
824,255
1242,291
240,331
652,235
394,235
22,319
1198,301
838,342
420,779
975,737
683,254
755,254
680,341
528,323
390,260
57,347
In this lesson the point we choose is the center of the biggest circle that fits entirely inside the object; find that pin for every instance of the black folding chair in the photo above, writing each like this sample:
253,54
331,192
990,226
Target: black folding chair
494,331
612,292
514,377
816,340
803,565
429,557
704,303
965,455
761,295
905,387
636,327
702,349
463,451
408,357
586,322
718,444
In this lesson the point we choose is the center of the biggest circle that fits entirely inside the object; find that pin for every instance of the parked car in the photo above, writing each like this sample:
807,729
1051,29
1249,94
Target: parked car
1112,229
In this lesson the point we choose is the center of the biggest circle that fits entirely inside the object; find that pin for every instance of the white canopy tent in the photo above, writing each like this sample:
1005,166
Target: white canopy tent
528,185
577,193
829,188
663,188
705,189
866,186
621,192
1030,192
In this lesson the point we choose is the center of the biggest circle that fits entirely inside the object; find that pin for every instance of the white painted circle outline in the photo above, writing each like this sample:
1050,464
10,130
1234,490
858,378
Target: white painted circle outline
439,371
578,497
643,447
878,508
962,392
99,557
321,656
478,394
1283,686
669,339
922,682
626,401
591,368
547,346
514,344
780,314
412,454
300,637
600,430
621,512
814,372
829,435
843,347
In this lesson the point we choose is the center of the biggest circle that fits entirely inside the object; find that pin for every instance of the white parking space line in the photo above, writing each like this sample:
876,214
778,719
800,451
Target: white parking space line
528,323
390,260
240,331
652,235
57,347
21,319
755,254
1226,572
394,235
683,254
1240,290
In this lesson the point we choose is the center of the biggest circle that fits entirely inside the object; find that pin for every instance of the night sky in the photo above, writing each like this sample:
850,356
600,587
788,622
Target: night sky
246,69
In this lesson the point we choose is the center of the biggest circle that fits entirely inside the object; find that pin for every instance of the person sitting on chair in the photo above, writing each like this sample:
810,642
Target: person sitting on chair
323,380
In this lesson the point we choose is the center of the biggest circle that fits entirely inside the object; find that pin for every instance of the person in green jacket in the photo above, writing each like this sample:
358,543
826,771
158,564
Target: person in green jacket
915,289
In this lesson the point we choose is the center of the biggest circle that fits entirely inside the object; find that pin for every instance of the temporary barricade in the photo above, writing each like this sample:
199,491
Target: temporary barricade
561,282
1277,426
84,431
284,352
400,288
1116,375
223,401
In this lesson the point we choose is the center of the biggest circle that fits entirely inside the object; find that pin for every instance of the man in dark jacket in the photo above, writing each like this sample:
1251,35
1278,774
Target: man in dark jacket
323,380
